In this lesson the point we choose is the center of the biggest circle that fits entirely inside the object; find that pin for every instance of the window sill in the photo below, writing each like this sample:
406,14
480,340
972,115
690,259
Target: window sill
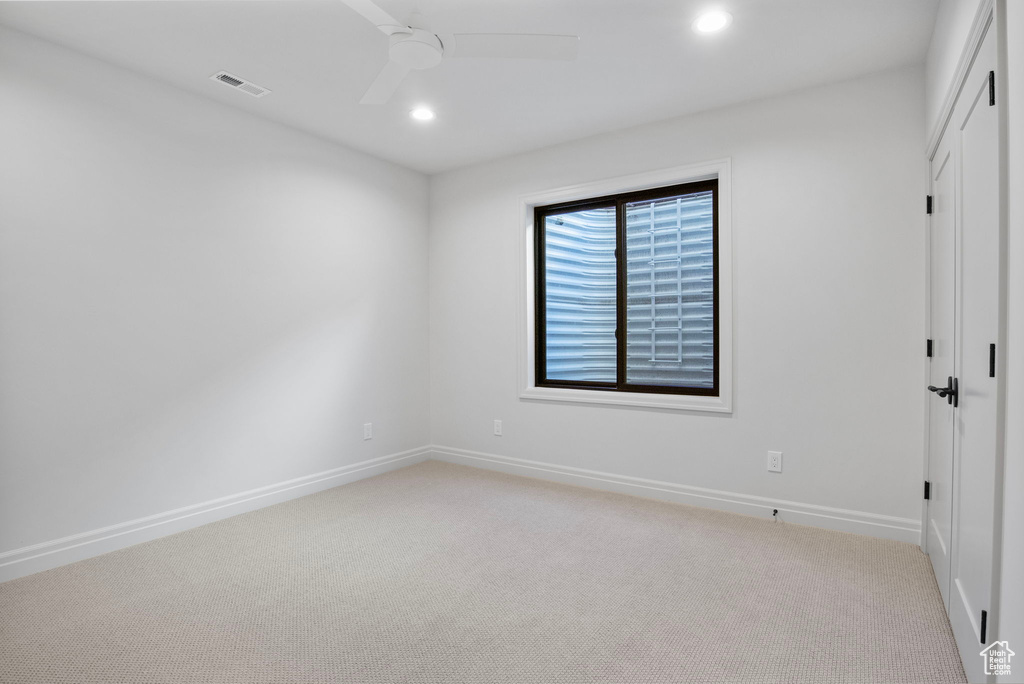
672,402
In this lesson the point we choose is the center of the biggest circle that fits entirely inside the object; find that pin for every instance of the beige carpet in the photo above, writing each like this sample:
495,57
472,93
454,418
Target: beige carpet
439,573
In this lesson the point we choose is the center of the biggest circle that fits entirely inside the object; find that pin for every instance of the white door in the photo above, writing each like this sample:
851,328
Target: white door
976,126
942,290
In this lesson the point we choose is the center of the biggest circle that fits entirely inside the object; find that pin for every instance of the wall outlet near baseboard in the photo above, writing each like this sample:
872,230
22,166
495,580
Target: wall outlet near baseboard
497,428
775,461
367,430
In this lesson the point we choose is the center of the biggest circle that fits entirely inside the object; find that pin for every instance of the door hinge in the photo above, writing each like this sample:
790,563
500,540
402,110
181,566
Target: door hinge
984,625
991,88
928,204
928,350
991,360
927,490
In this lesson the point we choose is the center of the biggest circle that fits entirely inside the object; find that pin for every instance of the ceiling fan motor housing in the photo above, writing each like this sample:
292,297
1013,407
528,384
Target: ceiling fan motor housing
416,49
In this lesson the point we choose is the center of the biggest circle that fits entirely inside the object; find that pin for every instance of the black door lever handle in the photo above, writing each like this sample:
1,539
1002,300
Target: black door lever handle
950,392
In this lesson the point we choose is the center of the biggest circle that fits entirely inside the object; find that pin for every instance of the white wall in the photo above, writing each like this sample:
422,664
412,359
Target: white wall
193,302
952,27
1011,615
828,189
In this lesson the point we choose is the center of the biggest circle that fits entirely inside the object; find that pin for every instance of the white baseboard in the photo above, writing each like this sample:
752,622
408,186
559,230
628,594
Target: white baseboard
843,520
38,557
51,554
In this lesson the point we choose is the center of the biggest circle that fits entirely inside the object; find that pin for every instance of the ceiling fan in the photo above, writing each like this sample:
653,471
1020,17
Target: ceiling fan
414,48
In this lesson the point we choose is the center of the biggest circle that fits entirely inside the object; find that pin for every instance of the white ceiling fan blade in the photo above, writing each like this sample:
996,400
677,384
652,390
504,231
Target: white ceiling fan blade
386,83
514,46
375,15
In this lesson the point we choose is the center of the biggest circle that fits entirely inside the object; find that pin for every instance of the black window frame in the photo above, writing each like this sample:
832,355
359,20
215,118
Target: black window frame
619,200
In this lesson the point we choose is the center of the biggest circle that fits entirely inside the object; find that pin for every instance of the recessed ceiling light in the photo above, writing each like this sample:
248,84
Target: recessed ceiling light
712,21
422,114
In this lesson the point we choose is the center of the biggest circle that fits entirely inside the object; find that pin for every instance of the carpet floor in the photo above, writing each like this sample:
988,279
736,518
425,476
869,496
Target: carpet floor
439,574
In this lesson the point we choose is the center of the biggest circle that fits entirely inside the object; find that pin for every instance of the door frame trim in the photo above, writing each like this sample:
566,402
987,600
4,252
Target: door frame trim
982,19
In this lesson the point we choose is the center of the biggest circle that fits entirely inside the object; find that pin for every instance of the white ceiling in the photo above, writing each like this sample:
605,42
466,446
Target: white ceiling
638,62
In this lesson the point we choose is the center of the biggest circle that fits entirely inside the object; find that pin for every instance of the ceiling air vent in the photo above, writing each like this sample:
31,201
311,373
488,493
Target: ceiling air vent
240,84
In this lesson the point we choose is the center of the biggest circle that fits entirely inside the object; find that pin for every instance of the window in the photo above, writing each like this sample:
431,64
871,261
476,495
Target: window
627,293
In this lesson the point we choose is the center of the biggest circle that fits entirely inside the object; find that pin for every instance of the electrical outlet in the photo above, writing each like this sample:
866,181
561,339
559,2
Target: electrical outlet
497,428
367,430
775,461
